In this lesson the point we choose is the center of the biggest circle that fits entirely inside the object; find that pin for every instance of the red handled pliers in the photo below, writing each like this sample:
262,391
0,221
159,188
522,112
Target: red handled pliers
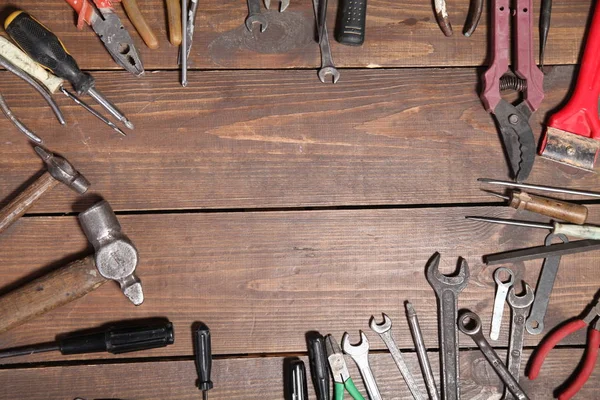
591,352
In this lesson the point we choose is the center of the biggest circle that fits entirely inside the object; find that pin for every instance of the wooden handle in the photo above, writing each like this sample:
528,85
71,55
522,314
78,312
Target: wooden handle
49,292
174,17
137,19
553,208
27,198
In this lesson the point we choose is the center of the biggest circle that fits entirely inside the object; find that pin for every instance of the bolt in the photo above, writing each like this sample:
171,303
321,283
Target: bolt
513,119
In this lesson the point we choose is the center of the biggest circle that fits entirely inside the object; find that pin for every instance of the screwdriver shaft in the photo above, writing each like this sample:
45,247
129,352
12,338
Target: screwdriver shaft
110,107
512,222
95,113
27,350
541,187
183,47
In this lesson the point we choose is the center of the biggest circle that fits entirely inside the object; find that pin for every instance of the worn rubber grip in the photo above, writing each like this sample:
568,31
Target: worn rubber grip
351,21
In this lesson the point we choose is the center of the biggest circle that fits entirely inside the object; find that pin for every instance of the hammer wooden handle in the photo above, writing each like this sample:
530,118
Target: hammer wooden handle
139,22
49,292
23,202
174,18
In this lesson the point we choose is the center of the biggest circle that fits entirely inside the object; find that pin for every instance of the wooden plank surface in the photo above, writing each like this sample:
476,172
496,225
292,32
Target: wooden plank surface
282,139
261,378
261,280
399,34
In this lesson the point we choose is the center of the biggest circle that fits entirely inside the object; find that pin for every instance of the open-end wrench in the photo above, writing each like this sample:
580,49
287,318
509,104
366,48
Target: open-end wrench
535,321
284,4
519,306
385,332
255,16
501,292
447,290
470,324
327,66
360,355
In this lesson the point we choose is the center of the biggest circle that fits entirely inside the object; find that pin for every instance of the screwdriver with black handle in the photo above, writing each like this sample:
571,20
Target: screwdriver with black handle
203,356
45,48
319,365
114,340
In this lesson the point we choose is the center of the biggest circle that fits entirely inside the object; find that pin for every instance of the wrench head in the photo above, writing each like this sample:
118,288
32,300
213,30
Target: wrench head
520,301
257,19
355,350
385,326
440,282
499,281
469,323
329,71
284,4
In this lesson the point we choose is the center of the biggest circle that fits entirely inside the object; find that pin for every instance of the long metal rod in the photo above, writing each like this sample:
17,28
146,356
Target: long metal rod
28,350
20,126
541,187
534,253
110,107
183,48
95,113
503,221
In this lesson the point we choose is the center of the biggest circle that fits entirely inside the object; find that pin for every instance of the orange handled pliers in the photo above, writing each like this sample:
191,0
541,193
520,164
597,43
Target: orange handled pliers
591,351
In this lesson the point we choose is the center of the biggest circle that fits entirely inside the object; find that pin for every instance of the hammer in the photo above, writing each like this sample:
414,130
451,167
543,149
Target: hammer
115,259
59,170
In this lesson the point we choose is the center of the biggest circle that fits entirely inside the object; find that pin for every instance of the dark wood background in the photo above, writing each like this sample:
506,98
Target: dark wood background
268,204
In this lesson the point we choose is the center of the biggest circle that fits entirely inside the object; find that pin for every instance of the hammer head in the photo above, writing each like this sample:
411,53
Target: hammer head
116,257
63,171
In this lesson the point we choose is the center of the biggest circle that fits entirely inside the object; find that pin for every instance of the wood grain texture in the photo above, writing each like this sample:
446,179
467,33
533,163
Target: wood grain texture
260,280
281,139
400,33
261,378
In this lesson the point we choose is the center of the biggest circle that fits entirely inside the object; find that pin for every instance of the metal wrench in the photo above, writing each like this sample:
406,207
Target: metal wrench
284,4
447,290
519,306
535,321
500,299
255,15
470,324
360,355
327,66
385,332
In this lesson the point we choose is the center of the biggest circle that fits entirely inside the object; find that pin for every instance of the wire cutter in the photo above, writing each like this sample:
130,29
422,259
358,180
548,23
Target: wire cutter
513,119
339,371
591,352
107,25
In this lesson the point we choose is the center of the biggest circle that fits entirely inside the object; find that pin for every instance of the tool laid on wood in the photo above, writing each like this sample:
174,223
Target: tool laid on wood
384,330
500,299
107,25
319,370
117,339
282,7
59,170
46,49
534,253
542,188
203,357
360,355
578,231
182,49
295,384
139,22
187,22
513,120
470,324
255,16
351,22
545,14
174,22
339,371
473,17
590,318
115,258
573,134
327,65
447,290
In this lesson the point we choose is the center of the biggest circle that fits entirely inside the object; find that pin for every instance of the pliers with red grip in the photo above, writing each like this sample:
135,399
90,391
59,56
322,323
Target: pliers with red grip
591,351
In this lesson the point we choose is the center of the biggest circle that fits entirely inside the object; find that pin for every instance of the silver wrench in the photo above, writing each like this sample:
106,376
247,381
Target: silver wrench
327,65
500,299
255,16
360,355
447,290
385,332
535,321
519,306
284,4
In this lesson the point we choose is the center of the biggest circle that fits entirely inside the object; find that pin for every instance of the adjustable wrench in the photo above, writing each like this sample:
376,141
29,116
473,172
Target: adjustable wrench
255,16
327,66
360,355
535,321
385,332
500,299
470,324
447,290
519,306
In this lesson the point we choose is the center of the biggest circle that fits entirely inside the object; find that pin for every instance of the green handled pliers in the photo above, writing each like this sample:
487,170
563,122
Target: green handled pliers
339,370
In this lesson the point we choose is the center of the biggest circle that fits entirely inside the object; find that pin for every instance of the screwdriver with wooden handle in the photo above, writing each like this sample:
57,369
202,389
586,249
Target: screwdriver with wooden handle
577,231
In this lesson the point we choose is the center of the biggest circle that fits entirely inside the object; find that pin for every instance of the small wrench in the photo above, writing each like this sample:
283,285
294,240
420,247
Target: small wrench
327,66
284,4
535,321
255,15
385,332
470,324
519,306
500,299
360,355
447,290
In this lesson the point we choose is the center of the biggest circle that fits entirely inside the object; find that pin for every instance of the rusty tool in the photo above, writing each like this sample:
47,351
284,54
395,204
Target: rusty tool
174,18
513,119
58,171
139,22
115,258
473,17
327,66
573,134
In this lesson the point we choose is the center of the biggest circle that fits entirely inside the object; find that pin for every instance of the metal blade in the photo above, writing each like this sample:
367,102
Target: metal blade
534,253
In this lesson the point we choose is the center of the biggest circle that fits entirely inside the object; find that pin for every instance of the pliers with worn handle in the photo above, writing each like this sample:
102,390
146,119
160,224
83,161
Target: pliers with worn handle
339,371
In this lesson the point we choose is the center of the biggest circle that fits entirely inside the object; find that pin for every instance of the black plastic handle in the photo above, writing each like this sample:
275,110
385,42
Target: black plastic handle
351,20
203,354
319,366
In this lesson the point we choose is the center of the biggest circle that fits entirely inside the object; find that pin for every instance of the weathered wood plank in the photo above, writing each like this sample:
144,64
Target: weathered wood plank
399,34
281,139
261,378
260,280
